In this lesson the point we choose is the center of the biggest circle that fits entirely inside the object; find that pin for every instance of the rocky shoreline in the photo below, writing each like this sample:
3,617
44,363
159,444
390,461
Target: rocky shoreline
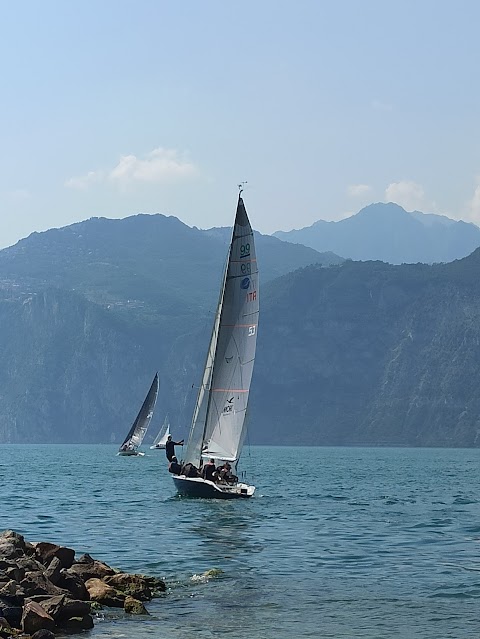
45,590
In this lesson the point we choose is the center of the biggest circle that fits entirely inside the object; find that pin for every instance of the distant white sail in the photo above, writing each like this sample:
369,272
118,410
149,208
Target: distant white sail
161,439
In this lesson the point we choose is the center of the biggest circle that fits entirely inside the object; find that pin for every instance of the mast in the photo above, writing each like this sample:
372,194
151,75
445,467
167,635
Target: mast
225,425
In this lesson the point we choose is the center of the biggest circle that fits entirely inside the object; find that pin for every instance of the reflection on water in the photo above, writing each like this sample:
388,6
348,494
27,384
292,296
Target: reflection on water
225,530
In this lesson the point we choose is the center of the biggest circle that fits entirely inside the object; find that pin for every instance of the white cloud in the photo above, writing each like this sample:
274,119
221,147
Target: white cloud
408,194
359,190
159,166
84,181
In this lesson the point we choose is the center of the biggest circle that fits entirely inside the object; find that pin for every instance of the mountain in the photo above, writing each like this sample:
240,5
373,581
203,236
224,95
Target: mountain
357,353
370,353
389,233
90,311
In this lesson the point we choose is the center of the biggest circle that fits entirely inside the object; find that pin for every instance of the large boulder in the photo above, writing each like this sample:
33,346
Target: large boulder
104,594
35,618
35,583
29,564
45,552
93,570
134,585
74,584
60,608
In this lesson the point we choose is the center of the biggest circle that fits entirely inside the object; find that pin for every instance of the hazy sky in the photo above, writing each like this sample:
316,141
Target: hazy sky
114,107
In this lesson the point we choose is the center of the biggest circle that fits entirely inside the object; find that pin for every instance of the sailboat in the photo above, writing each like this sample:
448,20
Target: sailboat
219,419
161,439
139,427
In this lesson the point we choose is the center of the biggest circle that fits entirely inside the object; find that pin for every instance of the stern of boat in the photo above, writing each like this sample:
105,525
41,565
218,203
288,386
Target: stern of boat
202,488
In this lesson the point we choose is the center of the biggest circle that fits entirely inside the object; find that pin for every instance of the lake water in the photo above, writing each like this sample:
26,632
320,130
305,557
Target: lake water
337,542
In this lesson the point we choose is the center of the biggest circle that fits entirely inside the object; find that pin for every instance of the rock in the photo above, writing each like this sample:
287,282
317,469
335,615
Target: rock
78,623
73,608
74,584
16,573
12,612
45,552
43,634
9,588
29,564
134,585
53,606
9,551
85,559
134,606
35,583
104,594
52,573
212,572
35,618
155,584
13,538
97,570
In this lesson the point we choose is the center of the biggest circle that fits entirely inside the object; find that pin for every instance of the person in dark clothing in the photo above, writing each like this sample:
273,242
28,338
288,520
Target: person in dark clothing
208,471
170,447
189,470
174,467
225,474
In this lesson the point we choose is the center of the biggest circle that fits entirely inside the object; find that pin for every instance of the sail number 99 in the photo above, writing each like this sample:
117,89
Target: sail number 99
244,250
246,268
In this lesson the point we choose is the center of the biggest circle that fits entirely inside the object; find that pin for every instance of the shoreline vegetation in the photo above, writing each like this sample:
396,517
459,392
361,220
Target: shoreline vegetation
45,590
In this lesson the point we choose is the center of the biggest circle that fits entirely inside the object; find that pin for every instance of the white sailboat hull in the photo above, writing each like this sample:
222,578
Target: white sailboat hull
130,453
198,487
158,447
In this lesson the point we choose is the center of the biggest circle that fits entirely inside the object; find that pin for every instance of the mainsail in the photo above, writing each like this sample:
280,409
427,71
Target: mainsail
219,424
137,432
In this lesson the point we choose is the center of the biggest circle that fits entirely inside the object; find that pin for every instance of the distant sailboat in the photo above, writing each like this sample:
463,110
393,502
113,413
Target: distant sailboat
161,439
137,432
219,419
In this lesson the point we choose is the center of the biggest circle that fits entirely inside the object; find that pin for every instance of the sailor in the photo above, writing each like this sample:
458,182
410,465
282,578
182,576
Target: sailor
208,470
174,466
170,447
226,474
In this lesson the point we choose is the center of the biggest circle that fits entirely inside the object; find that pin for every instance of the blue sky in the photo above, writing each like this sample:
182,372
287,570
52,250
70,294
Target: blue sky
112,107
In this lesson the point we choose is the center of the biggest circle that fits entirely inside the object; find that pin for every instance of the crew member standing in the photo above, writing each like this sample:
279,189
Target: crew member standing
170,447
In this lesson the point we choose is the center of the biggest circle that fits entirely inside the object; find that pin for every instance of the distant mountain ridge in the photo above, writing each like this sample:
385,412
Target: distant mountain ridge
356,353
88,312
389,233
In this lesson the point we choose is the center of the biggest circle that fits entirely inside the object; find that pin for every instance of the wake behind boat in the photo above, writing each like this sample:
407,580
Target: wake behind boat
137,432
219,419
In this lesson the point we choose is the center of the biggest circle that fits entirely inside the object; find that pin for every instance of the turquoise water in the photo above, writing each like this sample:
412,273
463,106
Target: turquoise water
337,542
